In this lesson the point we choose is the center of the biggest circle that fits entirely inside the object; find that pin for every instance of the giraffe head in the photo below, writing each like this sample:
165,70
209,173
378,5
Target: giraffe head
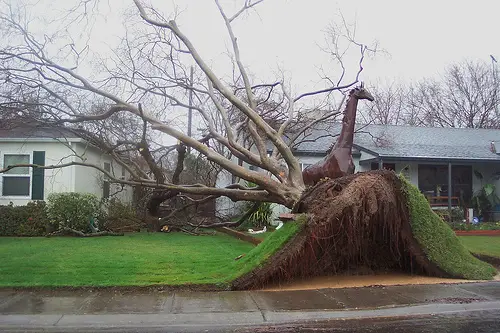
361,93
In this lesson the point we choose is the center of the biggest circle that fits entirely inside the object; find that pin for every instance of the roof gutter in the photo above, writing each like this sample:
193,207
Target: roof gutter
429,159
371,152
42,140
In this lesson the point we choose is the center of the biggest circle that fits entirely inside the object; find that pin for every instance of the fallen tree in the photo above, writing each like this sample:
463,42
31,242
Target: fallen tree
352,221
72,232
373,220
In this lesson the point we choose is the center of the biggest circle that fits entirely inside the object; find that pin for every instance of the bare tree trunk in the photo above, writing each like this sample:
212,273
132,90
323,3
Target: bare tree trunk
158,197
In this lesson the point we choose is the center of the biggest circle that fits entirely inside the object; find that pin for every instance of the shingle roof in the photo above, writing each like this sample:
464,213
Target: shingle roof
32,131
414,142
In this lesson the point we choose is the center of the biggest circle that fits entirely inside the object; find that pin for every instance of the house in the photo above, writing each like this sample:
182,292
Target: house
442,162
52,146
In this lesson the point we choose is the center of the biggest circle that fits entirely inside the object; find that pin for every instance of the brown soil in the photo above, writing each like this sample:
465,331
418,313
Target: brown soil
356,221
352,281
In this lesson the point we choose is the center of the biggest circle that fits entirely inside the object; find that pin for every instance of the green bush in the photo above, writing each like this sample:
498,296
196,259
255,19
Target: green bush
479,226
29,220
37,222
72,210
120,217
262,216
457,214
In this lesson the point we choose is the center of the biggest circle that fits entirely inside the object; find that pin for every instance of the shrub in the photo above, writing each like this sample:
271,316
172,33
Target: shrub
120,217
262,216
479,226
37,221
457,215
29,220
72,210
11,220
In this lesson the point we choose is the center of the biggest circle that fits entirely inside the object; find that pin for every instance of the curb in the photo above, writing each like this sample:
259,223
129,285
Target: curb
64,322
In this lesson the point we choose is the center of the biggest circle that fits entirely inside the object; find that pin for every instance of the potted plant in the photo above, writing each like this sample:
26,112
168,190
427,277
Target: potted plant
485,199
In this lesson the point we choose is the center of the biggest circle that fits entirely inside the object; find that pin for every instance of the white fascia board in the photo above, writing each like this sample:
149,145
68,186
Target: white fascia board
41,140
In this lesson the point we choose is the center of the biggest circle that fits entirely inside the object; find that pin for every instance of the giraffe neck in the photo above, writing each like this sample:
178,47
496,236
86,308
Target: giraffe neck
346,136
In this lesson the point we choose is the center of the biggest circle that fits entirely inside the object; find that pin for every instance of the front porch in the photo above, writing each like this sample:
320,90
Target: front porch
447,184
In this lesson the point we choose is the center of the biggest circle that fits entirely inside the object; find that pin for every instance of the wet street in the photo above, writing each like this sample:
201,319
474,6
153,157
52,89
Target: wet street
473,322
469,307
481,321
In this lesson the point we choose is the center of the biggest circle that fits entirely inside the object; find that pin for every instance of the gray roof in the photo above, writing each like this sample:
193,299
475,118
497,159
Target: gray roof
410,142
34,131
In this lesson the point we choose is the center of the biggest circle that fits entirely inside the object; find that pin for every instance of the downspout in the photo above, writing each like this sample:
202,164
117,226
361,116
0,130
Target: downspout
73,168
449,189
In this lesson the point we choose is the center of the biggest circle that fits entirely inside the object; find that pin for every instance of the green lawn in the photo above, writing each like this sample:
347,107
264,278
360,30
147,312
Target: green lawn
135,259
482,245
148,259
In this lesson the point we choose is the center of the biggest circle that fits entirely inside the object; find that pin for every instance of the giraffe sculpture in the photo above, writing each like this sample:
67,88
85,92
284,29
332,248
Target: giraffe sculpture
339,161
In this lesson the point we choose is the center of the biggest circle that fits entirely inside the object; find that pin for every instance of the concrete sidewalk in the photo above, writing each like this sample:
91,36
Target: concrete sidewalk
77,309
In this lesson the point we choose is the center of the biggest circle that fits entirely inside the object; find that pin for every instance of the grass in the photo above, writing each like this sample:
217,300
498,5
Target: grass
131,260
179,259
272,243
439,242
485,245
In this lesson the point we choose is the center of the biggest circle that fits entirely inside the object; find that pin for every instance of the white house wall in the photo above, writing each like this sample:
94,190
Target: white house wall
366,156
90,180
56,180
226,207
312,159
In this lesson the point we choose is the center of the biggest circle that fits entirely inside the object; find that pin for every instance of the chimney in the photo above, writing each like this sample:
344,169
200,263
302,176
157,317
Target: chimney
492,147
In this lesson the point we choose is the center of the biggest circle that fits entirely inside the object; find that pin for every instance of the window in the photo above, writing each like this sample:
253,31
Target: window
16,181
385,166
433,181
406,172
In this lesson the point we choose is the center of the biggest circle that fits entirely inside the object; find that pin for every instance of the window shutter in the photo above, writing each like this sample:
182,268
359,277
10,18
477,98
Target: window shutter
37,184
106,186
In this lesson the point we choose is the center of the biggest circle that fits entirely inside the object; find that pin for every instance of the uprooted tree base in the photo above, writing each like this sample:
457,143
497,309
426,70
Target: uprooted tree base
361,220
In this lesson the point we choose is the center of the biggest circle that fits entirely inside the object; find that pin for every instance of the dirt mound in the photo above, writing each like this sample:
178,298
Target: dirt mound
362,220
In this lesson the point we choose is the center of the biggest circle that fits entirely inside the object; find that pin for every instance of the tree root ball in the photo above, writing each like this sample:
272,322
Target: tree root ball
361,220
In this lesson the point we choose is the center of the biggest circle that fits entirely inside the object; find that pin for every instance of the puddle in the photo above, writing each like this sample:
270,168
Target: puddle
350,281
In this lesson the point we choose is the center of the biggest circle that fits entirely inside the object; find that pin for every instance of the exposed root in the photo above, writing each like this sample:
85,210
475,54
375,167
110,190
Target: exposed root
360,220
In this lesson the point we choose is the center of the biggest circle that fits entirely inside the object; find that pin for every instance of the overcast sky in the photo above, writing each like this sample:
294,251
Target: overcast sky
420,37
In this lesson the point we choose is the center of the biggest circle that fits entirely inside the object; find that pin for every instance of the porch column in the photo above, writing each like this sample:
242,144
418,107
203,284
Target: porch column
449,189
380,163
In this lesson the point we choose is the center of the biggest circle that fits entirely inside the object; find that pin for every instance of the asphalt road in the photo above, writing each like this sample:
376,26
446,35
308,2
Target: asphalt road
468,322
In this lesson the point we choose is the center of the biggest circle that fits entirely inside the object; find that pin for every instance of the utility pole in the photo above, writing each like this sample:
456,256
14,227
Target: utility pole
493,62
494,68
190,111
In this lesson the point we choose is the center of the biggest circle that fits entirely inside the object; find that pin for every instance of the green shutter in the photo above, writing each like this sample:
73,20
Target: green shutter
37,184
